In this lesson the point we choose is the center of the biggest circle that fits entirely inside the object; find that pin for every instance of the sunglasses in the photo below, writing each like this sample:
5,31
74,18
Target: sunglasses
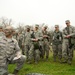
67,23
56,27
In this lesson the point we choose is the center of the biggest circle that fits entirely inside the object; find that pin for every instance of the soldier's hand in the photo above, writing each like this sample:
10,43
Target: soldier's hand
68,36
45,36
33,39
36,40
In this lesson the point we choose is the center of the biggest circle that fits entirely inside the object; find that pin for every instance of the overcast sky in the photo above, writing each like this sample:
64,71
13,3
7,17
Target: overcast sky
50,12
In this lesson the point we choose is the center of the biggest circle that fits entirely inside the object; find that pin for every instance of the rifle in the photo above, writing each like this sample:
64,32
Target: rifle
32,35
69,39
70,43
36,44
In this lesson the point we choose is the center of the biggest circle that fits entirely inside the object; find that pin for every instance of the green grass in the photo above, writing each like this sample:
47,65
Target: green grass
47,67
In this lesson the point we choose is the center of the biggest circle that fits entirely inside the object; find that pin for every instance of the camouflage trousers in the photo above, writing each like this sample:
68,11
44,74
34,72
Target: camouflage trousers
27,48
34,53
67,53
57,51
41,48
3,65
20,62
46,49
3,71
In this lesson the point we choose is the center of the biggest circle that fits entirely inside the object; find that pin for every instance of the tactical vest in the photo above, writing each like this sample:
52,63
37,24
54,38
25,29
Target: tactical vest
57,37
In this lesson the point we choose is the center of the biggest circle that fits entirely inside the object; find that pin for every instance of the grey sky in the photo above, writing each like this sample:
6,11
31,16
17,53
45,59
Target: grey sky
50,12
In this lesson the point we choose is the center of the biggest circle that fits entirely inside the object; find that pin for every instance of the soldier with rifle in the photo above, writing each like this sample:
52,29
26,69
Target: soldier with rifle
46,42
36,39
67,46
57,44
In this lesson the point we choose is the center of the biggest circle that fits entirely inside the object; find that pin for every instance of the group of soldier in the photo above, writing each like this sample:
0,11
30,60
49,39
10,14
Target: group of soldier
35,44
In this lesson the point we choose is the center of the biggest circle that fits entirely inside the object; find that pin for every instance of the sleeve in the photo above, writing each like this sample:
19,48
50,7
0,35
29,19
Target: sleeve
50,38
64,33
40,36
17,48
18,51
23,38
73,31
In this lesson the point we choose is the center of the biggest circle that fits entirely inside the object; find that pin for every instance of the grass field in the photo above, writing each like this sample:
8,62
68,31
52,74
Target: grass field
47,67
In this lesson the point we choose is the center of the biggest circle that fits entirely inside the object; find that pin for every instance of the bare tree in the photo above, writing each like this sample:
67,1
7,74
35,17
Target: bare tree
5,21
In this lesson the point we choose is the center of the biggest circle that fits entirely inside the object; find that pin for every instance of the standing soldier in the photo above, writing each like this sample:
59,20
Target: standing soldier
46,42
14,53
68,34
36,38
37,43
27,43
57,44
19,39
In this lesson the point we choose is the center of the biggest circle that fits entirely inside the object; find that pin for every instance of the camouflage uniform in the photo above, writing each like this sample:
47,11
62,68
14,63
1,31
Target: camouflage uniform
27,42
3,55
14,49
14,53
20,39
35,51
46,42
68,42
57,45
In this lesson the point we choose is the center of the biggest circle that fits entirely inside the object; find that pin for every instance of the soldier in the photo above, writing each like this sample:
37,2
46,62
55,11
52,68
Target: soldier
36,39
57,44
68,34
20,38
27,43
46,41
14,53
3,55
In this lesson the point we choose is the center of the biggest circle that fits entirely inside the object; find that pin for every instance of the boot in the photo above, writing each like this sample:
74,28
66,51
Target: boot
60,60
29,62
69,61
54,59
65,61
16,72
46,58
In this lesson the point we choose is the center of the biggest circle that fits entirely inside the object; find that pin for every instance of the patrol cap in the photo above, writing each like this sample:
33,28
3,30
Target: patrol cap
56,26
37,25
9,27
45,26
28,26
67,21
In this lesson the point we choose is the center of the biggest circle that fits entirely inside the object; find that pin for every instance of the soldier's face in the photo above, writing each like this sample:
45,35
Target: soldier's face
1,29
8,32
44,28
28,29
68,23
14,32
56,28
36,28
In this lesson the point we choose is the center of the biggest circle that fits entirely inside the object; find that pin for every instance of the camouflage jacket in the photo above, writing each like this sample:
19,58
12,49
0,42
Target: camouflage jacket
71,33
57,37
